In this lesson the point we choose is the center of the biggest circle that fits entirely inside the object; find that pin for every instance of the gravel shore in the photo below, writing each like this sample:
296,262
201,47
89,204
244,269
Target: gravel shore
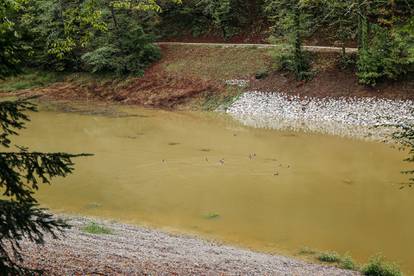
132,250
349,117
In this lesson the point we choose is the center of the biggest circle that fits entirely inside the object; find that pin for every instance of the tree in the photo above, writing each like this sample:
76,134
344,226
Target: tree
125,48
340,16
385,40
21,173
12,50
292,21
405,137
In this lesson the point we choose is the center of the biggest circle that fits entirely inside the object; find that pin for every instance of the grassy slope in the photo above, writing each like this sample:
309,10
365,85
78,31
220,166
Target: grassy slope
29,78
214,63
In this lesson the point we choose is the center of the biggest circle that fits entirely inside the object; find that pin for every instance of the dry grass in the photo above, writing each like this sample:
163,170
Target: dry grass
214,63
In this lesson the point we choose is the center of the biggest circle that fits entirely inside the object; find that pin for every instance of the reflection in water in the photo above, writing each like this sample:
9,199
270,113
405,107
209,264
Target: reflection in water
263,189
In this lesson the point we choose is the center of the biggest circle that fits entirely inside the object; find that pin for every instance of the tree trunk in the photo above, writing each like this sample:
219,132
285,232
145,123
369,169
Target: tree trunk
297,39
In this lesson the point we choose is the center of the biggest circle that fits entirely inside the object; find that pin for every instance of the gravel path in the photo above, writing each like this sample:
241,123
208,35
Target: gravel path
349,117
316,49
132,250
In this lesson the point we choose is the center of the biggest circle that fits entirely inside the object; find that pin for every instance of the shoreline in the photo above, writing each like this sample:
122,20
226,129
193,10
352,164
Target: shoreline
137,250
360,118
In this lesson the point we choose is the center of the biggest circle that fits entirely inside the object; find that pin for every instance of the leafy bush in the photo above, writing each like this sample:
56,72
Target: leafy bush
101,59
127,52
378,267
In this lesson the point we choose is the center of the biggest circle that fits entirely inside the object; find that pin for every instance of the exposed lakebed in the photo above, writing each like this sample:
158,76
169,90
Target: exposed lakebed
204,173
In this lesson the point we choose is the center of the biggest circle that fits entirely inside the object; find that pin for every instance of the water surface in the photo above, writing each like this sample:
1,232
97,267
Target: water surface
206,174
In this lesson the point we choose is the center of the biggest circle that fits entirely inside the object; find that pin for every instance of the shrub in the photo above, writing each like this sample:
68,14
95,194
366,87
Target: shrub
347,263
128,52
378,267
101,59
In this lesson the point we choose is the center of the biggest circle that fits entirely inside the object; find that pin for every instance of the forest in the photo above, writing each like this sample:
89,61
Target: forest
117,37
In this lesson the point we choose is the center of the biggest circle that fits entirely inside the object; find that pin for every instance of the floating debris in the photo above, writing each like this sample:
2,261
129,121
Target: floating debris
173,144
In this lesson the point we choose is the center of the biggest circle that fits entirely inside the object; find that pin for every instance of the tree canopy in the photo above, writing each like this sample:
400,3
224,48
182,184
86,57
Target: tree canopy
116,36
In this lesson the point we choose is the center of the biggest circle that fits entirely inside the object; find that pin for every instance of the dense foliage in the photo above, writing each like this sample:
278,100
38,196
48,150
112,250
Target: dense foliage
116,36
383,30
79,35
12,49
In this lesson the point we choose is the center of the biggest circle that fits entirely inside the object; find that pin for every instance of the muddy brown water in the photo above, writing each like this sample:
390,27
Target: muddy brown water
206,174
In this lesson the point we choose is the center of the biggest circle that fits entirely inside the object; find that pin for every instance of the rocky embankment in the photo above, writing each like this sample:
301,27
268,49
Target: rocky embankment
368,118
132,250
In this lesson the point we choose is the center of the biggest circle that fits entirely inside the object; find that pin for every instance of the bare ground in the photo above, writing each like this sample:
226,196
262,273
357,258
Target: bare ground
132,250
187,72
152,90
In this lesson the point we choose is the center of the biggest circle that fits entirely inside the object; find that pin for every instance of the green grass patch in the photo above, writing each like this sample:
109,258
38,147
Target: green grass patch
377,266
345,261
29,78
96,229
329,257
213,101
307,251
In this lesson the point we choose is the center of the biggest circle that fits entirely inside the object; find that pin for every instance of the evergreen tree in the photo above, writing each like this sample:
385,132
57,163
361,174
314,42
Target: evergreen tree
292,21
21,173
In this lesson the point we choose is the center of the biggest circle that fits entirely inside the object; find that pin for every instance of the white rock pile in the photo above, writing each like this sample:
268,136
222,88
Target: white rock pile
367,118
239,83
